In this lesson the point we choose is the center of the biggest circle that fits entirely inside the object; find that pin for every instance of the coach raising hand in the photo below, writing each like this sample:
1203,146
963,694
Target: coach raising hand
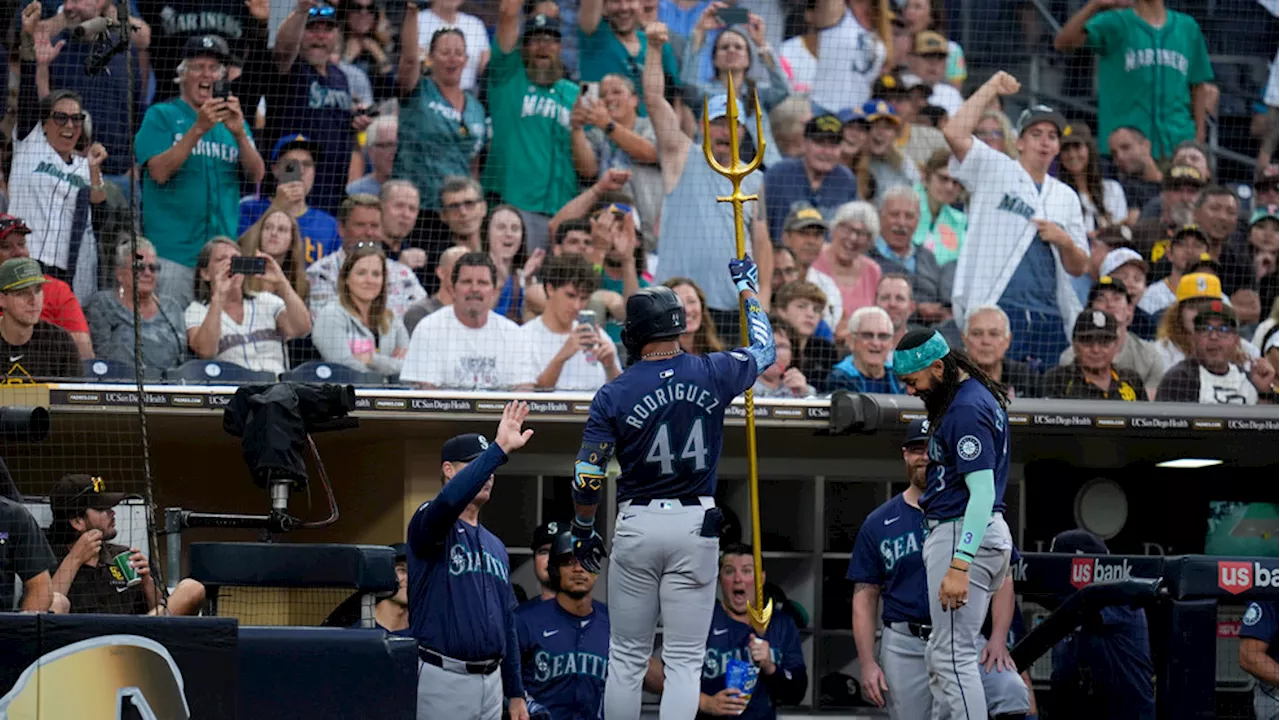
1026,232
460,598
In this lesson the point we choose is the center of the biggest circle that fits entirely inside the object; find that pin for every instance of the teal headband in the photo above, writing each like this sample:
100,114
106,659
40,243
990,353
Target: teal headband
920,357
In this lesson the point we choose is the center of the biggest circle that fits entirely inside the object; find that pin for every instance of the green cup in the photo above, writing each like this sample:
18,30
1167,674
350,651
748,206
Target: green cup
131,576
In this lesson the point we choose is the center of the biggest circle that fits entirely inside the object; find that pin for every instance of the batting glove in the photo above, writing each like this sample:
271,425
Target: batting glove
745,274
588,546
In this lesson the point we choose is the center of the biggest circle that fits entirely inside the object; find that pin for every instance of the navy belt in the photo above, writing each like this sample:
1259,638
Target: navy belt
689,501
462,667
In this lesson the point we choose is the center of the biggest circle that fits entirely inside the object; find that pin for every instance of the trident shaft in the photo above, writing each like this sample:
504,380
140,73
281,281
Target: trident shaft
761,612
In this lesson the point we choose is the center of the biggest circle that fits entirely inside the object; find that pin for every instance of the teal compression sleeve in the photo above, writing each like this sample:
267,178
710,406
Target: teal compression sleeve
982,498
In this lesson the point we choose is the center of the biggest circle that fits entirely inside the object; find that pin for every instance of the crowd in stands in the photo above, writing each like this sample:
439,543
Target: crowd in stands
441,199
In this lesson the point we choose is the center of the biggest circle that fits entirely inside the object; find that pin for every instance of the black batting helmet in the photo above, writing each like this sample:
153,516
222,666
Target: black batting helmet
561,552
654,313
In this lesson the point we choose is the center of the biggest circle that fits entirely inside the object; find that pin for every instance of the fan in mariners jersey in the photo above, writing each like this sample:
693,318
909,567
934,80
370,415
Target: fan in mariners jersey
1214,375
1258,656
783,677
564,640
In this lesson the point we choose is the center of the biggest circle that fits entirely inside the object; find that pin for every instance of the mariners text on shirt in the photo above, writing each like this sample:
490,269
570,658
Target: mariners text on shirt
216,150
1146,57
548,666
217,23
48,168
542,106
671,393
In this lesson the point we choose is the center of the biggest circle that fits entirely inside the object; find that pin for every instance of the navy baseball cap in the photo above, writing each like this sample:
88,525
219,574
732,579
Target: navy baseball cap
1078,541
546,534
541,24
207,45
917,432
295,141
464,448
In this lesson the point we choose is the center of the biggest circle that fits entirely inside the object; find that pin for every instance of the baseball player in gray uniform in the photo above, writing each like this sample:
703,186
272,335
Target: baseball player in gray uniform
664,416
887,565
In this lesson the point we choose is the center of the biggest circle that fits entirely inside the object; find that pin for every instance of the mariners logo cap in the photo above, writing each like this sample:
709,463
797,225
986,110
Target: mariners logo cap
546,533
464,448
295,141
541,24
929,42
917,432
206,45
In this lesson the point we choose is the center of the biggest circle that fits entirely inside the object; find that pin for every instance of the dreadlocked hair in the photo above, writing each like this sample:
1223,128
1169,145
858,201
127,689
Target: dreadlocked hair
953,363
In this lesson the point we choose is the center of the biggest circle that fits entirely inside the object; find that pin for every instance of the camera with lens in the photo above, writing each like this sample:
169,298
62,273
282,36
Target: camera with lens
108,38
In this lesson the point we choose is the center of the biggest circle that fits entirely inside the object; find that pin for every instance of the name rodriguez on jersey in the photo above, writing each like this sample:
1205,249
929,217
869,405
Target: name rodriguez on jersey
670,393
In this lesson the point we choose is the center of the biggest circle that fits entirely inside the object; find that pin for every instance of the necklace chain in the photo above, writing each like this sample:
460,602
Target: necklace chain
661,353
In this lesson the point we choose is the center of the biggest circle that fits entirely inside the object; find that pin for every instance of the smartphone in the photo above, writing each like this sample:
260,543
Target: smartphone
292,172
590,90
371,111
733,15
586,317
221,89
245,265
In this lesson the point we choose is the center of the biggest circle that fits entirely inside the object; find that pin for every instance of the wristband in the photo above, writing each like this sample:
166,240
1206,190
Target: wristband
963,570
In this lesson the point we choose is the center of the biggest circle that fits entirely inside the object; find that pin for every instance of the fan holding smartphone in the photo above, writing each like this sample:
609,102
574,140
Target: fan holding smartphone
207,115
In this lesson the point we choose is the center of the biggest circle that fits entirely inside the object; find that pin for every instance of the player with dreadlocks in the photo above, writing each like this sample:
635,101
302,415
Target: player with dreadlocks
966,552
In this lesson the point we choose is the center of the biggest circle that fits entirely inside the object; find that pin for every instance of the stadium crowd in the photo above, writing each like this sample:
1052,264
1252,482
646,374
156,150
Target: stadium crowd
439,199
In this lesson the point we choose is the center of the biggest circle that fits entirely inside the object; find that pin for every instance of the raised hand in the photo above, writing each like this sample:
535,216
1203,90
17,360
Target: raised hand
511,436
46,53
657,34
745,274
1004,83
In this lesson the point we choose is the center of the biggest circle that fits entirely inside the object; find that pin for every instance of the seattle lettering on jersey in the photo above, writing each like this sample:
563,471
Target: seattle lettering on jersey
717,661
216,150
1015,205
320,97
549,666
200,23
462,562
671,393
1147,57
894,549
445,110
48,168
535,105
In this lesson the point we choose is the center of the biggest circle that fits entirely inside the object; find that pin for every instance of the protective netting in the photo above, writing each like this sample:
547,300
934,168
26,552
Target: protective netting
463,195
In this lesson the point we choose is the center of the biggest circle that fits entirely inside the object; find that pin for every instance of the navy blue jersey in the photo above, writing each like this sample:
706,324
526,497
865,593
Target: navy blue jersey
1259,623
1105,667
729,639
973,435
666,419
460,598
565,658
319,107
887,554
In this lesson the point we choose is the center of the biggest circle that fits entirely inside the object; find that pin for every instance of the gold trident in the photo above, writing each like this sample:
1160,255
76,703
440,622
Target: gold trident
761,612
